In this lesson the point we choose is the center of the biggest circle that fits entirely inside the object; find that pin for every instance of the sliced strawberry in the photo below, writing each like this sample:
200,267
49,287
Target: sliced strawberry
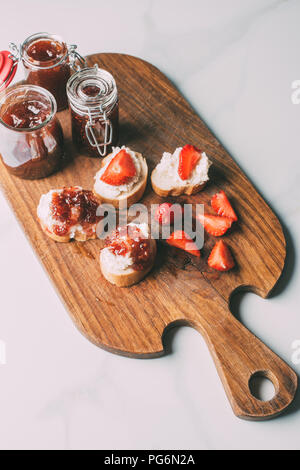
222,206
182,240
214,224
166,213
220,257
188,159
120,170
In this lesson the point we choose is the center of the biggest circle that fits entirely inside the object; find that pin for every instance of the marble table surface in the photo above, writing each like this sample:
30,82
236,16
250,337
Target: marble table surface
236,62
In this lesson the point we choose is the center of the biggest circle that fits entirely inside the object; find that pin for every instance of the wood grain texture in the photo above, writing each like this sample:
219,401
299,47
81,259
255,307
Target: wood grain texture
154,117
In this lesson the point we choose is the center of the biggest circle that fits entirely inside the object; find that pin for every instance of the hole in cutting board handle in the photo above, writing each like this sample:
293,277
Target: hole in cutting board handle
261,386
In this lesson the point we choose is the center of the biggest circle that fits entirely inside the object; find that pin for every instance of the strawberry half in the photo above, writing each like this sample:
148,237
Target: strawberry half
120,169
166,213
222,206
182,240
220,257
188,159
214,224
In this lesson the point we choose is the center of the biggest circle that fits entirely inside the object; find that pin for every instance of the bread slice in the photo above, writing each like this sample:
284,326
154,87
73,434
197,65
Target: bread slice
131,197
166,181
176,190
48,220
129,276
78,236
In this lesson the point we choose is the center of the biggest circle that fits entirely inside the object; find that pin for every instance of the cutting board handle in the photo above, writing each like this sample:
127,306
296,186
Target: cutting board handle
239,355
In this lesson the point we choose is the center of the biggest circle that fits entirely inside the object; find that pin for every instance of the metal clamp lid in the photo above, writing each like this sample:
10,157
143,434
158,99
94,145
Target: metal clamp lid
92,93
108,132
74,55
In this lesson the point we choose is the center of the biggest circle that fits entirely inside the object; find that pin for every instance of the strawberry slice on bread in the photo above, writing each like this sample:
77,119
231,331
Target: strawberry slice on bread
221,205
221,258
120,170
182,240
121,181
185,171
188,159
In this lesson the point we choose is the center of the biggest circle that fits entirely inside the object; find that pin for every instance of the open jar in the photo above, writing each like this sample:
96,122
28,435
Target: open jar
47,62
94,106
31,138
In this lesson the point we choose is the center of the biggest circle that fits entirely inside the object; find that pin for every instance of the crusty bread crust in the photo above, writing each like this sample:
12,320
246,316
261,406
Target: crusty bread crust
177,190
130,276
79,236
126,200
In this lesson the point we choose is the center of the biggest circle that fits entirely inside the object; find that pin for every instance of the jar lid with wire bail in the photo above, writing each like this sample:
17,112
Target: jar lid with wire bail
92,92
92,89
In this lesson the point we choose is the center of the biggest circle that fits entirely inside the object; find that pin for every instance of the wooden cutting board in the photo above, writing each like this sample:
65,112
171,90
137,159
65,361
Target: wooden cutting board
154,117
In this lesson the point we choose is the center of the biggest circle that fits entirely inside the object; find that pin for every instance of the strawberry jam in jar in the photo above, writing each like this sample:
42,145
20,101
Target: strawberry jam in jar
31,138
94,106
47,62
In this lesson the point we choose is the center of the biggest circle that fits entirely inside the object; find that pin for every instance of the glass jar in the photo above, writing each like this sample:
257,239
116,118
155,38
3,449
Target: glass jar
31,138
94,106
47,61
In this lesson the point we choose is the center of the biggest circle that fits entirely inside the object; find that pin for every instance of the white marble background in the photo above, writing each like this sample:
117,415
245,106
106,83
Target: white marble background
235,61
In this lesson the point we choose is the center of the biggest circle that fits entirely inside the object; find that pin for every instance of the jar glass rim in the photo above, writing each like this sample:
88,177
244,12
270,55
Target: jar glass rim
9,92
92,76
46,64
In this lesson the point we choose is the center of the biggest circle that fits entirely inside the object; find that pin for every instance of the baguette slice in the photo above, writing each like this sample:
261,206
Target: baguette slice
131,197
166,181
78,236
158,187
129,276
116,268
48,221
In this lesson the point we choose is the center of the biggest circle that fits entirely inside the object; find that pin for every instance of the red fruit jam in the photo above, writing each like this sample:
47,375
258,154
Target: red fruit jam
79,131
45,50
26,115
90,90
31,140
46,64
94,105
130,239
74,206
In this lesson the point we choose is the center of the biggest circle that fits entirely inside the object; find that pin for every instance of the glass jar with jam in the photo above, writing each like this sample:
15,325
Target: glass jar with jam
94,106
47,61
31,138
